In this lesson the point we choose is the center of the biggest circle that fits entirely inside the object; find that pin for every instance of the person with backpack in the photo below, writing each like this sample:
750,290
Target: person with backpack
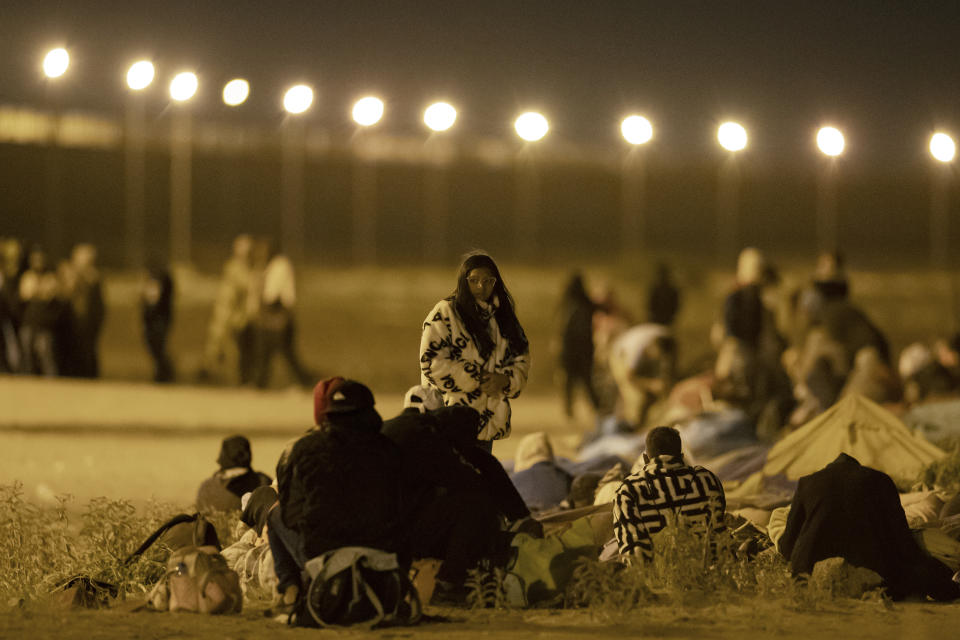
339,485
223,490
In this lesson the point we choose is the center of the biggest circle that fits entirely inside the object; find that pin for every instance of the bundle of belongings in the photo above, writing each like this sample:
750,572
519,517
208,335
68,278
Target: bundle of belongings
197,577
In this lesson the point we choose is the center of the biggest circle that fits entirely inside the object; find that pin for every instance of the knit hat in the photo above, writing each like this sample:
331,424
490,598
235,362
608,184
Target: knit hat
234,452
340,396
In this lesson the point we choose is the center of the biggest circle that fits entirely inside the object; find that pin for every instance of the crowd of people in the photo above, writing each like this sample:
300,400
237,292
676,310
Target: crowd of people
51,315
425,485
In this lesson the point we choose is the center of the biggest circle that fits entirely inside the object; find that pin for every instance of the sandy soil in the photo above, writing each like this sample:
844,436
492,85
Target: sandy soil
851,621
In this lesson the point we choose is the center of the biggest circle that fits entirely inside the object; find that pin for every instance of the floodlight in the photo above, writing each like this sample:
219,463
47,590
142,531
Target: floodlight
636,130
942,147
55,63
732,136
183,86
368,111
439,116
531,126
830,141
235,92
298,98
140,75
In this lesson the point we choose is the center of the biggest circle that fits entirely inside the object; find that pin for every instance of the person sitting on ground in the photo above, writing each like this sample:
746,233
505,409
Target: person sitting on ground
223,490
449,512
853,512
536,475
457,429
338,484
665,488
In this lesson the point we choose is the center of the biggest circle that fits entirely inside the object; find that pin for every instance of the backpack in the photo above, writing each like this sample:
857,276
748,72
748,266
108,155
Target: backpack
197,576
357,586
197,579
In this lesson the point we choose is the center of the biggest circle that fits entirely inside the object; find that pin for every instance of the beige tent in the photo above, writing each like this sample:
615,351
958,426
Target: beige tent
860,428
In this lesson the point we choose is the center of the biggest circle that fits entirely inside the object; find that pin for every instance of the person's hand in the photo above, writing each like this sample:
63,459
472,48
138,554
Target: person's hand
493,384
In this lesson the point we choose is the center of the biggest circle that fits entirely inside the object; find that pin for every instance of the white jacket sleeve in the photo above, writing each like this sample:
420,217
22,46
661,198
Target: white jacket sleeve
517,368
442,364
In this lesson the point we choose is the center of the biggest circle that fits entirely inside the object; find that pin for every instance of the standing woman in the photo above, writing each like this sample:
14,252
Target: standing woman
473,350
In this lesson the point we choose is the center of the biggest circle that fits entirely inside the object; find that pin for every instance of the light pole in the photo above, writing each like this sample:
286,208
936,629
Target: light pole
637,131
944,150
183,88
55,65
139,76
296,101
366,113
732,137
530,127
439,117
831,143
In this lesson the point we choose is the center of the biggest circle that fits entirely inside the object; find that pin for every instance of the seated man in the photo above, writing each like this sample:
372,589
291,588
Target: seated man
665,486
338,484
853,512
222,491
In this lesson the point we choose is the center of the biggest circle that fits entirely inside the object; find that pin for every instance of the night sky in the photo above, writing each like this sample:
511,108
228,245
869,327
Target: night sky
887,73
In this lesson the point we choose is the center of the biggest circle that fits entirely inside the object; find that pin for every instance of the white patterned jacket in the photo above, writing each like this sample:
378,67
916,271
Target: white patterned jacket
450,362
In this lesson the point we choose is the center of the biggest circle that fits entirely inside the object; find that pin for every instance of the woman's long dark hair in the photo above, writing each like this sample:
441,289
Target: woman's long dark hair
469,312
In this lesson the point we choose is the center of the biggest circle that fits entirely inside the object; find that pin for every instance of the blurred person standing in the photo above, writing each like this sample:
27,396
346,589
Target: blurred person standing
86,301
276,323
576,342
156,305
663,301
38,296
473,350
230,336
11,268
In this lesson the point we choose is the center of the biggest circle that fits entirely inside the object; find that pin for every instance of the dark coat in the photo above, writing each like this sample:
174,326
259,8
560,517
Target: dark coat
340,486
743,314
222,492
438,456
853,512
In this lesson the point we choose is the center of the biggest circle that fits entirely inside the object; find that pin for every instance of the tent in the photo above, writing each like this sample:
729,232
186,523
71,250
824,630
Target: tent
860,428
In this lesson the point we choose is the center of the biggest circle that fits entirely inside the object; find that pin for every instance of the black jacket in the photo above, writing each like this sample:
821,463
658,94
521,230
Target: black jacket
850,511
340,486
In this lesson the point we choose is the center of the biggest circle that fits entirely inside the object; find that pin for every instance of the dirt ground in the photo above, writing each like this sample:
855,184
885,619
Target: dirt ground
851,621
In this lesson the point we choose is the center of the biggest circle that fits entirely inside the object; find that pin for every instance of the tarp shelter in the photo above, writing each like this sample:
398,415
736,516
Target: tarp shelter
860,428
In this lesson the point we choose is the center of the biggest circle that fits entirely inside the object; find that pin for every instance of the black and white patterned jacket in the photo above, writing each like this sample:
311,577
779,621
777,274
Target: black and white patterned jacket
450,363
665,485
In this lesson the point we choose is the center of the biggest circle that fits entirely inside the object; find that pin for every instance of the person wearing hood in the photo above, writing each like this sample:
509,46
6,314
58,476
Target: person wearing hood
223,490
473,350
338,484
853,512
536,475
452,512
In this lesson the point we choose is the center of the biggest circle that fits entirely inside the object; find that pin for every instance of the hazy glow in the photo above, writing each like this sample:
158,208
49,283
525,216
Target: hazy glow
236,91
140,75
830,141
298,98
183,86
732,136
531,126
636,130
55,63
440,116
368,111
942,147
